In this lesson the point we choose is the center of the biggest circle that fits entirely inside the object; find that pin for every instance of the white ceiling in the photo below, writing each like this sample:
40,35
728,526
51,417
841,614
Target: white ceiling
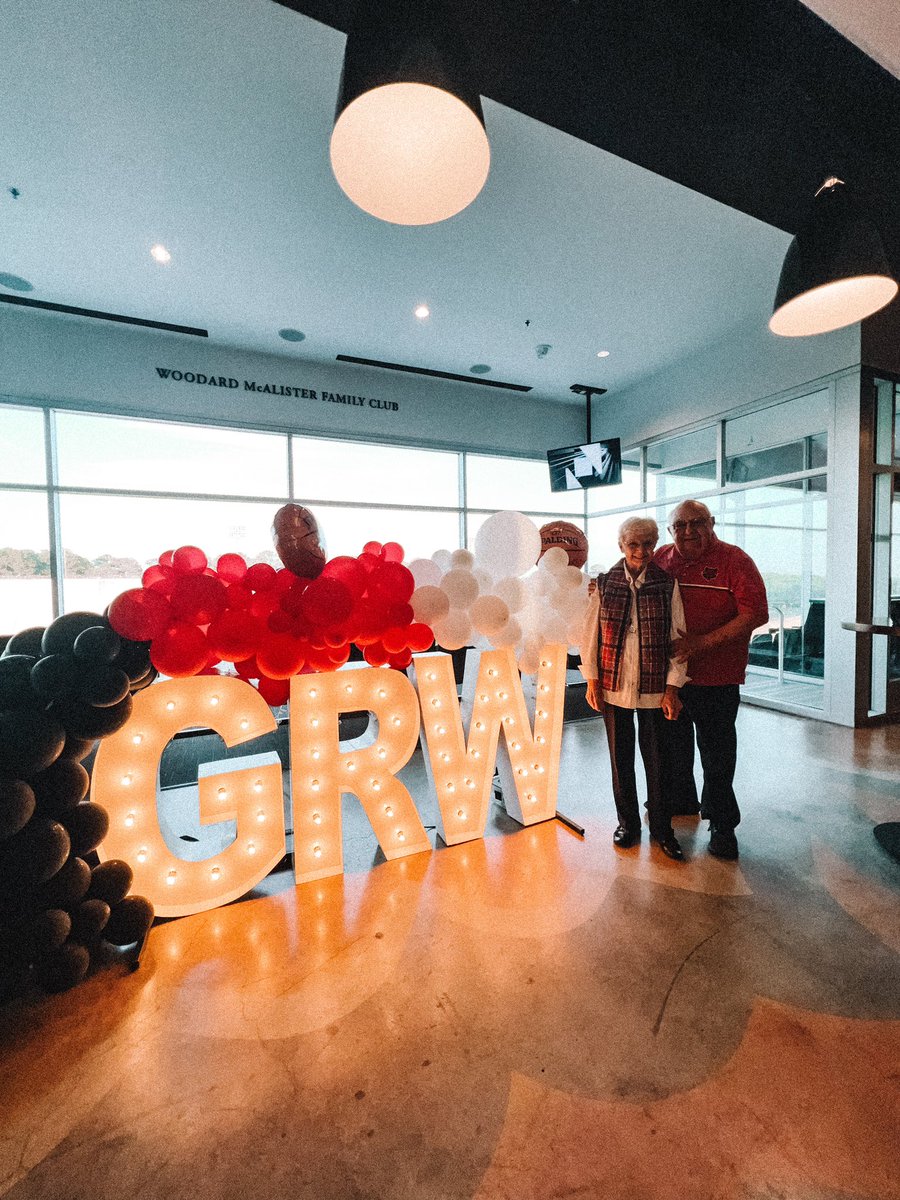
205,127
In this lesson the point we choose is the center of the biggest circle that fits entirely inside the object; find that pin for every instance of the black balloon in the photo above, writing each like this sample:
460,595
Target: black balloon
129,921
77,748
145,680
17,804
47,931
33,855
87,825
103,686
29,742
26,642
15,682
88,920
110,881
59,636
134,659
67,886
64,784
55,676
85,721
63,968
97,645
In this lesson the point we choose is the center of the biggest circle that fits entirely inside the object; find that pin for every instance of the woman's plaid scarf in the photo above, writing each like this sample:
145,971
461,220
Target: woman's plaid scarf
654,616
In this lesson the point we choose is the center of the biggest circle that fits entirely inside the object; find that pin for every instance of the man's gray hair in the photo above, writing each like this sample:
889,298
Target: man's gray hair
693,504
638,523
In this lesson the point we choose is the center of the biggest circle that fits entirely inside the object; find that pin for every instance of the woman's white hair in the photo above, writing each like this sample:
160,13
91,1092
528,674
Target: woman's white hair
637,523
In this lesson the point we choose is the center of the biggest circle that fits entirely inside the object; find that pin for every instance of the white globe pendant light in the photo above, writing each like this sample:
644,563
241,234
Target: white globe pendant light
409,144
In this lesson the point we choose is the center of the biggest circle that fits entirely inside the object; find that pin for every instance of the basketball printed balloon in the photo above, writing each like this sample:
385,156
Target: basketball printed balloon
569,538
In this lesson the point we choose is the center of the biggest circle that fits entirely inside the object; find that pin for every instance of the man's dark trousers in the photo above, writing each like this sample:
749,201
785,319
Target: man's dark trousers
713,712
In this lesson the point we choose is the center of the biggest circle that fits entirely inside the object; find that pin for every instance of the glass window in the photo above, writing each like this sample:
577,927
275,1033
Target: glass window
156,456
681,466
26,591
22,458
108,542
365,473
778,440
346,530
619,495
517,485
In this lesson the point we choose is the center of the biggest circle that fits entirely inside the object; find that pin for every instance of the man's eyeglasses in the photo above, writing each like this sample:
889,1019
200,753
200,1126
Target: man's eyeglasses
692,523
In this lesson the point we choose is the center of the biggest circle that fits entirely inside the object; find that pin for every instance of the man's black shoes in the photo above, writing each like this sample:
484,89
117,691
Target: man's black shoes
624,837
670,846
723,844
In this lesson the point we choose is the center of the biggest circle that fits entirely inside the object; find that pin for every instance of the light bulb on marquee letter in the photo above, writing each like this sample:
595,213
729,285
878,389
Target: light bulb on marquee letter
125,782
320,772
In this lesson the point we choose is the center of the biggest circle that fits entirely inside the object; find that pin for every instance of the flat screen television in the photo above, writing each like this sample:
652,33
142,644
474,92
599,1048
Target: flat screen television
597,464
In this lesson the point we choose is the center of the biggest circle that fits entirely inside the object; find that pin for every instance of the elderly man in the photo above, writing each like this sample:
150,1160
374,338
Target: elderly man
634,614
724,601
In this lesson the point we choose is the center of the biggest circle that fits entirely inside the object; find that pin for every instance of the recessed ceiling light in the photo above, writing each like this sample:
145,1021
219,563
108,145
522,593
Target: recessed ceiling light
160,253
480,369
422,311
16,283
603,354
291,335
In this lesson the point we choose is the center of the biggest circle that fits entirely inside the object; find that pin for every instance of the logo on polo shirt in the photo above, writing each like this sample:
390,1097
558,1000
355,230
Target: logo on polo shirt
710,572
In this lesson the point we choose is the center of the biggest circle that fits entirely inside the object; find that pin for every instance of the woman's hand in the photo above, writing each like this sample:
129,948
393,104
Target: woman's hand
671,704
594,695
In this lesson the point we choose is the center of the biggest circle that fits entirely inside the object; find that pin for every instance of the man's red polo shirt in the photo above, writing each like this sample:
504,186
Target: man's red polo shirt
715,588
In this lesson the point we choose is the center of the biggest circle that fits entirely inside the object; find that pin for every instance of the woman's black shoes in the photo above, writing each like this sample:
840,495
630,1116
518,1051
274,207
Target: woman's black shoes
670,846
624,837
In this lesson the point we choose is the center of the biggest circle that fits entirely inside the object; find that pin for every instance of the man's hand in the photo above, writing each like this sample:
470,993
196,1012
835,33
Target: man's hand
686,644
594,695
671,704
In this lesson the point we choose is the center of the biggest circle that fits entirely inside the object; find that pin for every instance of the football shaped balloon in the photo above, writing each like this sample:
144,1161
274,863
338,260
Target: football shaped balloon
296,535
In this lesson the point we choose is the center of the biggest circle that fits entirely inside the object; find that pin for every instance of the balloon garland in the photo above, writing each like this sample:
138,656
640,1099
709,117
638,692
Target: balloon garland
64,687
61,688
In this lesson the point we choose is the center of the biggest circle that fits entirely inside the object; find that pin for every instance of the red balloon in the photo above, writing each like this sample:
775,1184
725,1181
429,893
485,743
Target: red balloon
391,583
234,635
278,621
291,600
401,661
280,656
180,650
369,562
392,552
231,568
156,574
261,577
401,614
373,548
326,602
335,637
275,692
285,580
247,668
263,603
189,560
339,655
139,614
376,655
348,571
394,640
165,559
198,598
419,637
238,595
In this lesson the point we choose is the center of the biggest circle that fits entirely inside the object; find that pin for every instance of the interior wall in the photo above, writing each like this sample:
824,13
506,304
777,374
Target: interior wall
748,366
79,362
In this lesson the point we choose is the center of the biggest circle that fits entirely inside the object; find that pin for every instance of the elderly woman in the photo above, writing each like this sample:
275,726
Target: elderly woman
635,614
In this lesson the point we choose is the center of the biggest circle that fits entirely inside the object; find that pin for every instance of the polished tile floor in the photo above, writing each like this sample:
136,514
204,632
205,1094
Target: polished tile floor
532,1016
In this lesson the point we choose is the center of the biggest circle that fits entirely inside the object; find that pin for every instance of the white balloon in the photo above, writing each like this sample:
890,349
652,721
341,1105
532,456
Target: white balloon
571,577
508,543
554,560
461,587
429,604
425,571
442,558
483,580
489,614
462,560
508,635
529,661
511,592
453,631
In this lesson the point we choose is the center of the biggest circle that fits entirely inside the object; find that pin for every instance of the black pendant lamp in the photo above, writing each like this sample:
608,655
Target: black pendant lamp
409,143
835,271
